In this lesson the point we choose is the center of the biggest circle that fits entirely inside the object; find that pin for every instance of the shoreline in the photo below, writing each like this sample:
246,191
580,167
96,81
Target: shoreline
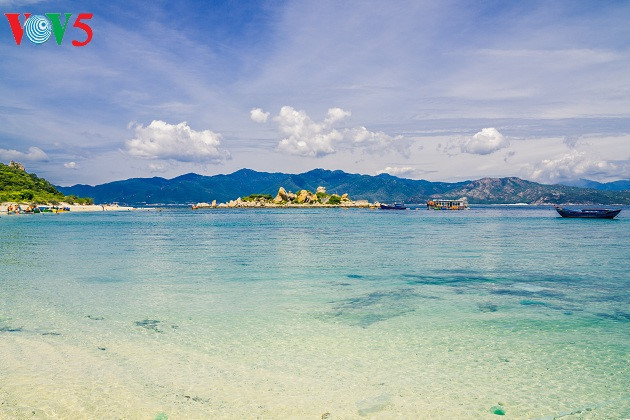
74,207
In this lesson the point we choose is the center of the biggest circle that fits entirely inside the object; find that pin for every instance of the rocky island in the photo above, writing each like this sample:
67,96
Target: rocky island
284,198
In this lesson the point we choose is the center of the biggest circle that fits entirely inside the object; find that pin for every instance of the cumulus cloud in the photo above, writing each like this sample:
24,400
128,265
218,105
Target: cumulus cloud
34,154
71,165
576,165
377,141
305,137
258,115
160,140
335,115
487,141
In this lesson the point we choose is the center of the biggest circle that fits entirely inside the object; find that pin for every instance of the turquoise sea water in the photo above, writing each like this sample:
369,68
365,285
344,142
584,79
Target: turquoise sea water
309,313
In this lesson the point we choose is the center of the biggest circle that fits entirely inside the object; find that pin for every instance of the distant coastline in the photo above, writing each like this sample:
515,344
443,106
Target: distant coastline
194,188
73,207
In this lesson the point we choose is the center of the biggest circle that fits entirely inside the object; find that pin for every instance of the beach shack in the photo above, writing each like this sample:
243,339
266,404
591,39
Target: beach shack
441,204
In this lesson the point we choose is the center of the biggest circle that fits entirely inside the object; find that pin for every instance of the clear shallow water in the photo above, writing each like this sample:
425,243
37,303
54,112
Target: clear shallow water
298,313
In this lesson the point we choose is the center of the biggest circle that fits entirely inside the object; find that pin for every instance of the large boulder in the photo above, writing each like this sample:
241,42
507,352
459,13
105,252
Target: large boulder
282,193
304,197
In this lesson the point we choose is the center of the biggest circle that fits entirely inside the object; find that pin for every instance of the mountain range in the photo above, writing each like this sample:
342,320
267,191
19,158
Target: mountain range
621,185
192,188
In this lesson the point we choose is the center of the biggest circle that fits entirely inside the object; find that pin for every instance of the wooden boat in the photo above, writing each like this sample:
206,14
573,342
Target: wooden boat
396,206
588,213
440,204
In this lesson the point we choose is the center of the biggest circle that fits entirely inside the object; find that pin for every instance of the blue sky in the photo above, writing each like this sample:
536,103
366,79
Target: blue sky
434,90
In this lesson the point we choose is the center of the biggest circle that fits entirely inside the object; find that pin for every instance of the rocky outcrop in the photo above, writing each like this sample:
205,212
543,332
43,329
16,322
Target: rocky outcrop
17,165
284,198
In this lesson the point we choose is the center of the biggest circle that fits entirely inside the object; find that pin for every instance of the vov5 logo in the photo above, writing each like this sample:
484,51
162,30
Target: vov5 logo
39,28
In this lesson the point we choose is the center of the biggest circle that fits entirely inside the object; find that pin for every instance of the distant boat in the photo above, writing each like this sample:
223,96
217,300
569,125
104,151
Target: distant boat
439,204
396,206
588,213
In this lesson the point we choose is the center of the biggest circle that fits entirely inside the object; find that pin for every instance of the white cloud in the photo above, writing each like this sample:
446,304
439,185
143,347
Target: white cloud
404,171
35,154
305,137
258,115
375,141
575,165
487,141
71,165
160,140
335,115
158,167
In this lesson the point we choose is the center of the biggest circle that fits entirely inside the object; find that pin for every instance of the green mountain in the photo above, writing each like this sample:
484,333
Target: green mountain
192,188
17,185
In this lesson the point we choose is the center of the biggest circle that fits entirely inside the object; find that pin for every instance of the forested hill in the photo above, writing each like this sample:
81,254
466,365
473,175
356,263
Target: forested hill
17,185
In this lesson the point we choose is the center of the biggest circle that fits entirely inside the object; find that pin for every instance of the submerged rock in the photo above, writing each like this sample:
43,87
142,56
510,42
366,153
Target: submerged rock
487,307
498,410
373,405
11,329
149,324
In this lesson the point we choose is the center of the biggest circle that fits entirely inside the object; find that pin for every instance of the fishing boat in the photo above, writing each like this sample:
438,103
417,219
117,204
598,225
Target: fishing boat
588,213
439,204
396,206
